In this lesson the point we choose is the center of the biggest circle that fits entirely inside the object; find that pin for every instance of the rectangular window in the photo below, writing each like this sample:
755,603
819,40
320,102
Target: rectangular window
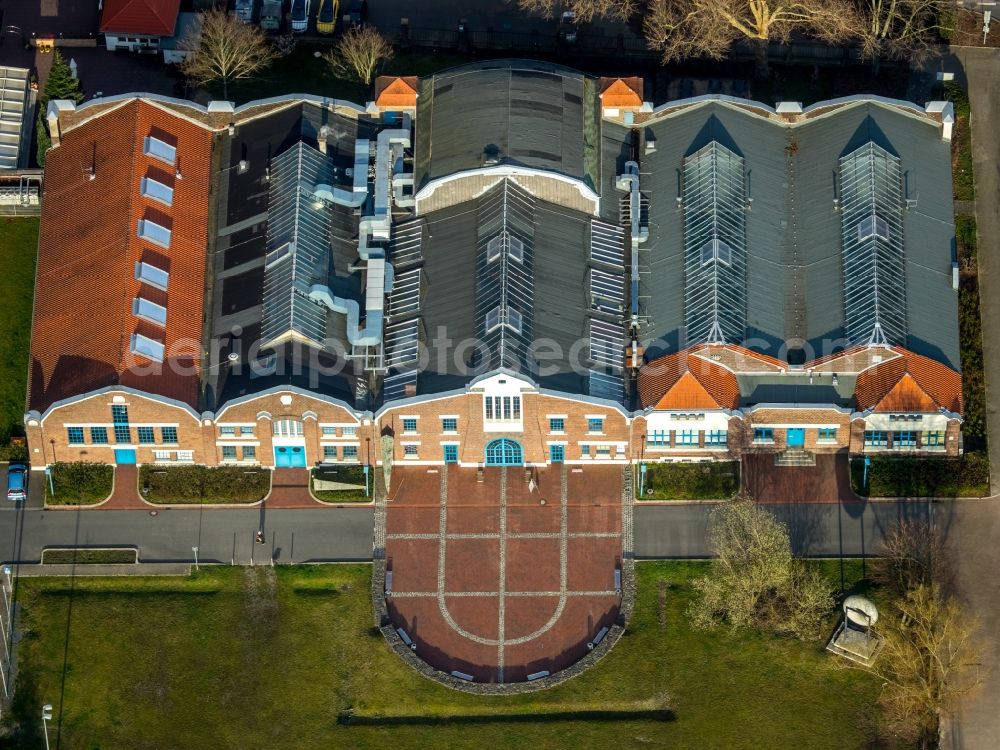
246,431
451,454
410,451
348,431
147,347
99,435
517,407
658,439
904,439
185,455
146,435
249,453
449,424
328,430
150,188
595,424
287,428
159,149
119,414
161,455
74,435
227,431
330,452
152,275
557,453
409,425
350,452
493,319
876,439
123,434
763,435
155,233
827,434
933,439
506,407
557,425
686,437
716,438
229,453
604,451
150,311
168,434
489,407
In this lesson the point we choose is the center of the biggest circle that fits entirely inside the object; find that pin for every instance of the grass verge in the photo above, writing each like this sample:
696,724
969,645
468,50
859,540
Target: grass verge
18,248
78,483
89,556
351,476
890,476
961,144
717,480
220,660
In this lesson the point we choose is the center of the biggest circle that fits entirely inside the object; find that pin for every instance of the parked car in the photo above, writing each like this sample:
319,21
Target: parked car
354,14
326,16
244,10
270,15
300,16
17,482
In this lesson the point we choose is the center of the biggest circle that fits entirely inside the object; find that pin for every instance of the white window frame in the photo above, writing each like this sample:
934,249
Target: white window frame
147,310
157,191
147,273
147,347
155,233
159,149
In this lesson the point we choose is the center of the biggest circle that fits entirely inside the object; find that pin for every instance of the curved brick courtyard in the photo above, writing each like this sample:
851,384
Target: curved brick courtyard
503,578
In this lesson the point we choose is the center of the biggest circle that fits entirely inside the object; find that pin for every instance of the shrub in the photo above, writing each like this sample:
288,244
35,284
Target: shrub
210,484
79,483
914,476
692,481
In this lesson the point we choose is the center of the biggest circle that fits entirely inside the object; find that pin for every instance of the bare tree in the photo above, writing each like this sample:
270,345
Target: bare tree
221,48
708,28
755,580
929,659
912,554
902,29
585,10
358,54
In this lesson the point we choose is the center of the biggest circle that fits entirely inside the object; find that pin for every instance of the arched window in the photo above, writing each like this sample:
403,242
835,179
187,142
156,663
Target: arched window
504,452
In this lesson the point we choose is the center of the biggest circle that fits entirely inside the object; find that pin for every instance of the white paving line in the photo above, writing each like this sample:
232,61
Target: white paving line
486,594
514,535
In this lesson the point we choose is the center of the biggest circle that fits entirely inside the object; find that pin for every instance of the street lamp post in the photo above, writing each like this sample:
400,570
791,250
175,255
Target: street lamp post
195,550
46,718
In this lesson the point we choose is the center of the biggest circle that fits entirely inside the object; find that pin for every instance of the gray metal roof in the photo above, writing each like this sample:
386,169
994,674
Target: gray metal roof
795,289
517,112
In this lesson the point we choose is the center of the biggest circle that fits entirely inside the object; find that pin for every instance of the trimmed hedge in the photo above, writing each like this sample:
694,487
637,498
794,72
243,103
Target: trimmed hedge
914,476
204,484
78,483
717,480
88,556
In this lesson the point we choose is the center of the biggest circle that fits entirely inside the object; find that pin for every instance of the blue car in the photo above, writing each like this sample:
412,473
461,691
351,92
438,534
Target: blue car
17,482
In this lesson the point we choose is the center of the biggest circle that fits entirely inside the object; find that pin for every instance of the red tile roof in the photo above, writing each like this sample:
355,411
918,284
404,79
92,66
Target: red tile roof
621,92
88,248
681,381
396,91
146,17
909,383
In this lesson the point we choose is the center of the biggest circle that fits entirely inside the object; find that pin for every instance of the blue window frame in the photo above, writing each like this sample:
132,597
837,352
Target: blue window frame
350,452
449,424
168,434
933,438
686,437
763,435
451,454
876,439
123,434
410,450
409,425
504,452
99,435
557,424
557,453
227,431
229,453
828,434
119,414
74,435
595,424
330,452
904,439
249,453
658,439
716,438
348,431
146,435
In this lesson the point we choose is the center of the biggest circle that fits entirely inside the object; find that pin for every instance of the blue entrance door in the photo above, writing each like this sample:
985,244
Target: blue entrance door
289,455
795,437
451,454
124,456
504,452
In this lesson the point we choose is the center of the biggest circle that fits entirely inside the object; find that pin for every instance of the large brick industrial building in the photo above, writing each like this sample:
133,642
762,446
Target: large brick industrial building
561,273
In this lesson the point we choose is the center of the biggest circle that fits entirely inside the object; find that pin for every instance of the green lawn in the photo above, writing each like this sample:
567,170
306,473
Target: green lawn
961,144
237,658
18,248
888,476
350,474
691,481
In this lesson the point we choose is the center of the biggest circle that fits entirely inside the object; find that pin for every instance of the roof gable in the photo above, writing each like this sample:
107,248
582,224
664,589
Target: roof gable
621,92
400,91
909,382
687,393
907,396
681,381
149,17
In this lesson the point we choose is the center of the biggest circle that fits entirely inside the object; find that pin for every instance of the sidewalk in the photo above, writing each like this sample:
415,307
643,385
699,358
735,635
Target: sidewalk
135,569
